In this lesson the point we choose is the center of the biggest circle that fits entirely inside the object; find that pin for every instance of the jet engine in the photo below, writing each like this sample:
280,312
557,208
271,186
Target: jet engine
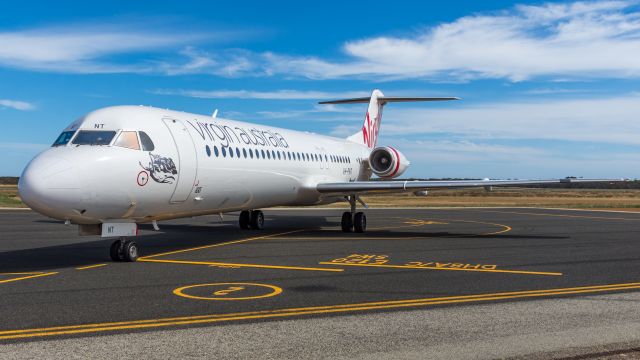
387,162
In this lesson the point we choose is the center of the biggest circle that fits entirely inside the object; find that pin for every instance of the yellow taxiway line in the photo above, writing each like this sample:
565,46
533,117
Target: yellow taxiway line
240,265
28,275
218,244
446,268
278,313
90,267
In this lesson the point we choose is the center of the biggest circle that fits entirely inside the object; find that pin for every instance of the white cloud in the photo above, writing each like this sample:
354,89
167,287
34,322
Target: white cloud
477,159
17,105
262,95
601,120
553,41
580,39
85,49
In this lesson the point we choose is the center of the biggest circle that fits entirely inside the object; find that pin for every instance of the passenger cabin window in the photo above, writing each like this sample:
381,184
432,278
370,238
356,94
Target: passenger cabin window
147,144
93,137
64,138
128,139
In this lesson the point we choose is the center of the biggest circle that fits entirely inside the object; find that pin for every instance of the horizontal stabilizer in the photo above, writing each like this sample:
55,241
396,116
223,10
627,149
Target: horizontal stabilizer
387,99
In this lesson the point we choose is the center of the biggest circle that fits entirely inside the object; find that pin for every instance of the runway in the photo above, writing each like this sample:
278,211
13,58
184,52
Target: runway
202,272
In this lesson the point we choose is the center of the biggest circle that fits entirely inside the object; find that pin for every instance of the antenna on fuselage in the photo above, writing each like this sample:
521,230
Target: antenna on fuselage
215,113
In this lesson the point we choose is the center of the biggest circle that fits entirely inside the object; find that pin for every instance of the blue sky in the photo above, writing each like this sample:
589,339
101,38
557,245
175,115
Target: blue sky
550,89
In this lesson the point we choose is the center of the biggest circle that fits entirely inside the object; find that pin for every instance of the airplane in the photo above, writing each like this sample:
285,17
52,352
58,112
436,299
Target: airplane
121,166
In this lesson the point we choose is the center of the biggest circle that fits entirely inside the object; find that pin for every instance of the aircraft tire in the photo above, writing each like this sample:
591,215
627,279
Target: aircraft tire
131,252
360,222
257,220
114,251
245,220
347,222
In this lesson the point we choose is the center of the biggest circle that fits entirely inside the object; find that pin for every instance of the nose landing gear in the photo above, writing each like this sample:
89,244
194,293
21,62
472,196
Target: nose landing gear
124,250
352,220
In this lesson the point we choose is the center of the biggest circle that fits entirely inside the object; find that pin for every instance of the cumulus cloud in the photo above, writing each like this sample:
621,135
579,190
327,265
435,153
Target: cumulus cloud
601,120
576,39
16,105
553,40
87,49
478,159
262,95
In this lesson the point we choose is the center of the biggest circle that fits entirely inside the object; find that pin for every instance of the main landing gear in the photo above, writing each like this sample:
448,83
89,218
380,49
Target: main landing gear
124,250
352,220
253,219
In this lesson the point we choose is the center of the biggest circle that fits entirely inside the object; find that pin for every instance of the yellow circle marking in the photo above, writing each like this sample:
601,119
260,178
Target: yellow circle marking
221,290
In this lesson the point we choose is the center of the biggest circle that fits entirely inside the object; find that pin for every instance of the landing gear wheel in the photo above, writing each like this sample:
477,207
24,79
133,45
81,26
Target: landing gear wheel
115,251
245,219
360,222
347,222
257,220
130,251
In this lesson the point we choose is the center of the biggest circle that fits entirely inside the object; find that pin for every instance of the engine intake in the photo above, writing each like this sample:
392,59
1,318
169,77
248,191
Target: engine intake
387,162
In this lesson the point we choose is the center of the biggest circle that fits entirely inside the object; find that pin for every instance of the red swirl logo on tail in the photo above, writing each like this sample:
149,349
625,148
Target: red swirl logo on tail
370,131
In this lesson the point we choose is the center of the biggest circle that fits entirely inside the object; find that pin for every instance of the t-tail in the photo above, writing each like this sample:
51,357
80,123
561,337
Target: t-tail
368,135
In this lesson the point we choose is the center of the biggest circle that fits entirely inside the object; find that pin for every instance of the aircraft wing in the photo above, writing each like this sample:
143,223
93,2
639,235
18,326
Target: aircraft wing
359,187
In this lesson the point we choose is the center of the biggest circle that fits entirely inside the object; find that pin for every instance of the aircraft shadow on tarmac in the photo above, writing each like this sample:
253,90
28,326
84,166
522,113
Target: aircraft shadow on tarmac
174,237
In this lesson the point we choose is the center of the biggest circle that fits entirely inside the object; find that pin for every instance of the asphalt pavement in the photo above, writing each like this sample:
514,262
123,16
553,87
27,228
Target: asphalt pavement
430,283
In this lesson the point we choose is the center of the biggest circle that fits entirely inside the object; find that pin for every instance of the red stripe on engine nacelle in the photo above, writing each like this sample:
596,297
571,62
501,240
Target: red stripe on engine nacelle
397,162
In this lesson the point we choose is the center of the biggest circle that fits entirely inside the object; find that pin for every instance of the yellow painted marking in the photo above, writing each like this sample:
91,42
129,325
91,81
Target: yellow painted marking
561,215
221,295
228,291
355,237
28,275
213,318
412,222
238,265
90,267
219,244
424,222
446,268
505,228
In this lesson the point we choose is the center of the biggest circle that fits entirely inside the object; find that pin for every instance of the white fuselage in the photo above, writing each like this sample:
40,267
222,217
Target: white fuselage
186,173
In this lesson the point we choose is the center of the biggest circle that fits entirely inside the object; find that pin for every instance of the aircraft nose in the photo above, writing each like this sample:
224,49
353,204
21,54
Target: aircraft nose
50,185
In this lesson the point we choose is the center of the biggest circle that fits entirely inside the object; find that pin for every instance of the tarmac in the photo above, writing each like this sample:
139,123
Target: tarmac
420,283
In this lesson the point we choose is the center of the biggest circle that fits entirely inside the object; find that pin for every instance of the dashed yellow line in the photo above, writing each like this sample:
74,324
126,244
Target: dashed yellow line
28,275
260,266
90,267
214,318
445,268
219,244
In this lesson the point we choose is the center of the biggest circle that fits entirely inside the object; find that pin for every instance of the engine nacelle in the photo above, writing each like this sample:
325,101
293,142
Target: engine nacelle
387,162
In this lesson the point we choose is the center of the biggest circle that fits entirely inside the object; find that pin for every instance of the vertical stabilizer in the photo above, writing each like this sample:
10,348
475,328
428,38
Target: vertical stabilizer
368,135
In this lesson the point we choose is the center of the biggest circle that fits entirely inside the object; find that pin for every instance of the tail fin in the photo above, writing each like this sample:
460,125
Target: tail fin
368,136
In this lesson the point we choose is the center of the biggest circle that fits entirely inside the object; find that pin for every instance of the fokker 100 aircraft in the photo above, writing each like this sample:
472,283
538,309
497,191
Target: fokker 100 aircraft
120,166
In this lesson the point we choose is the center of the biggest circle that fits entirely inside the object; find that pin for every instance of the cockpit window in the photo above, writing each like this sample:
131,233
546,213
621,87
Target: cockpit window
147,144
92,137
128,139
64,138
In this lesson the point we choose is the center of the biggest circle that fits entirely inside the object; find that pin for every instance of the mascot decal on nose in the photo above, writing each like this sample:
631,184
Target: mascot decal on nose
161,169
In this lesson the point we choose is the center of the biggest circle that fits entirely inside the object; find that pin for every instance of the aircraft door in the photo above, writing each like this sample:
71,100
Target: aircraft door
187,160
322,163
